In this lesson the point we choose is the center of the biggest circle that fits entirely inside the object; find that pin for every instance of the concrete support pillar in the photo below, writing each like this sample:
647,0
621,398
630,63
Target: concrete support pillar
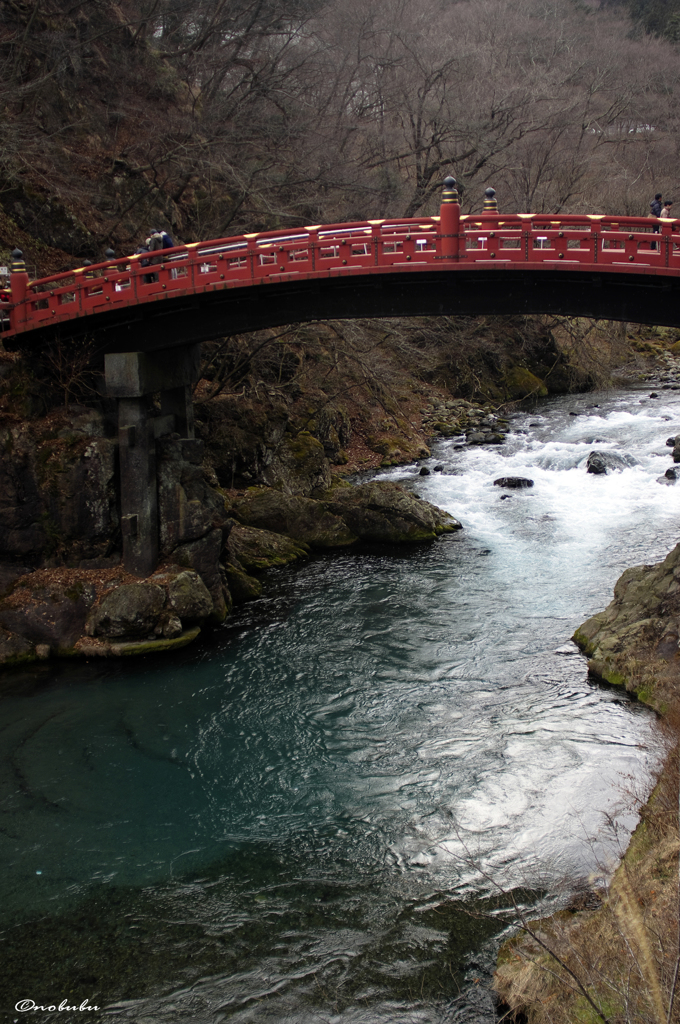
131,377
138,495
178,402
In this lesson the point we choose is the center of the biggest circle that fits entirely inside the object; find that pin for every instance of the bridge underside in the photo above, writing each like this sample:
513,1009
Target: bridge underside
638,298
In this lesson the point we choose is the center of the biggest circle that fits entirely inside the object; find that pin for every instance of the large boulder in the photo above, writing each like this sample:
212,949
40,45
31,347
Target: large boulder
298,465
189,596
301,518
514,483
203,556
242,587
383,512
634,641
52,614
521,382
253,550
131,610
379,511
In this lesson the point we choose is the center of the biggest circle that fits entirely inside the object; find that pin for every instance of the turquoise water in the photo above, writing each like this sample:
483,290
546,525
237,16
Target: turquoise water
299,820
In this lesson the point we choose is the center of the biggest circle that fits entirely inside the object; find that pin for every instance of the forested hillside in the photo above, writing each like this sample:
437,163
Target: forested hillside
218,117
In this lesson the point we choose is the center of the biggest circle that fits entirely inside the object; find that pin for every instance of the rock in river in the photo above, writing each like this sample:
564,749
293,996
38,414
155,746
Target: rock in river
379,511
602,462
514,482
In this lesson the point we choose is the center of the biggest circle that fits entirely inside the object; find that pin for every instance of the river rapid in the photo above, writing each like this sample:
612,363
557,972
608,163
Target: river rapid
308,818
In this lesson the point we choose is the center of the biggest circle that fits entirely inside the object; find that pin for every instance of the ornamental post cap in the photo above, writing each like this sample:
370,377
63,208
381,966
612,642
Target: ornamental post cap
17,265
110,254
490,201
450,192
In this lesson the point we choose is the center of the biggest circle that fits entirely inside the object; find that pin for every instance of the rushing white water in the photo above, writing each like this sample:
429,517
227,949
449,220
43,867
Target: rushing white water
297,815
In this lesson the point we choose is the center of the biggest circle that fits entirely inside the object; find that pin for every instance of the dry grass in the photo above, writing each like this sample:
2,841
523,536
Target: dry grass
617,964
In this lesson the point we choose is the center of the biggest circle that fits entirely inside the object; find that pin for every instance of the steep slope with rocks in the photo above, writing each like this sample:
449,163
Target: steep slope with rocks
280,420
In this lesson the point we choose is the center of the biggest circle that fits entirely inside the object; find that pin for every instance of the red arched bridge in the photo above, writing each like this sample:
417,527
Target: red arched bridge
147,314
618,268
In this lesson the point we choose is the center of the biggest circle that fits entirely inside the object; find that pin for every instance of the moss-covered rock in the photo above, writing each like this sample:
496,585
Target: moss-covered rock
383,512
242,586
128,611
298,465
379,511
203,556
189,596
131,648
254,550
634,642
303,519
520,383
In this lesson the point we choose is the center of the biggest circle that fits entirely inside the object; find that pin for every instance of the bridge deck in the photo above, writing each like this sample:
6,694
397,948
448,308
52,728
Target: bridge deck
614,267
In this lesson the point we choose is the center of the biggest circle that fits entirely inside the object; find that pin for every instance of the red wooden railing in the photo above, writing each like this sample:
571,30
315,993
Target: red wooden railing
535,241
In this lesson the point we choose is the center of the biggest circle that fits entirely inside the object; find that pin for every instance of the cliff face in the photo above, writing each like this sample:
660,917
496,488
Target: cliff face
58,489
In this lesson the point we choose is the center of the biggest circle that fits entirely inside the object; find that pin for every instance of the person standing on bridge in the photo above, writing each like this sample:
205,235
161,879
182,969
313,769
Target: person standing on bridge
667,213
159,240
153,243
655,208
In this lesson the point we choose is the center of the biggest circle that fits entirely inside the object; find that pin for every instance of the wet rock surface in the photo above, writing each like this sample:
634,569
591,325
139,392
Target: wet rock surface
513,482
601,462
15,649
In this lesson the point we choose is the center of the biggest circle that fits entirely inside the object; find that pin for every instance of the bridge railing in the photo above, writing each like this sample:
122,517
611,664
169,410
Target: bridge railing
360,247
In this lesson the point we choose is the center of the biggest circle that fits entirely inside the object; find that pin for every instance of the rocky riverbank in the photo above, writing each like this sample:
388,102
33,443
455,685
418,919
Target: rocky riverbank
611,954
101,611
634,642
280,418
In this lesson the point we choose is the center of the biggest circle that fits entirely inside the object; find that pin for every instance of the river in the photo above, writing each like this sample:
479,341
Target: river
310,817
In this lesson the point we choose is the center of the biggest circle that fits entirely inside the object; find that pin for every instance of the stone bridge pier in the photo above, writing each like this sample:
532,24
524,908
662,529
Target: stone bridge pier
132,378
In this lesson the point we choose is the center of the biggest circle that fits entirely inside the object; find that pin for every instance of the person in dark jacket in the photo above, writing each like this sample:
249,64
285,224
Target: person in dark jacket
159,239
655,207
